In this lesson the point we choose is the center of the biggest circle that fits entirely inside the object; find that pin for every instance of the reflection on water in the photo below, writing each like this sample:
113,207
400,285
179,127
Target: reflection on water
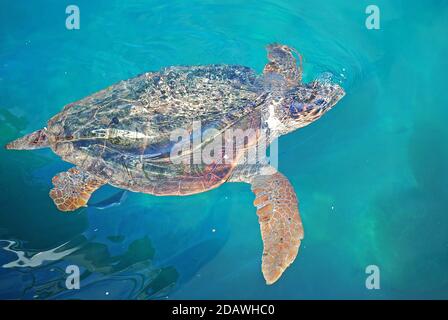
113,266
36,259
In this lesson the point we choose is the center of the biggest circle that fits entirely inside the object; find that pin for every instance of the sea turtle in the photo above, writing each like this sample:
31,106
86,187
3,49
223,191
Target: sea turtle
123,136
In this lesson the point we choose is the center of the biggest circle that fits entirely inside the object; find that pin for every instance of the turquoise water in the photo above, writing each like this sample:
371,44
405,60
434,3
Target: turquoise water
370,175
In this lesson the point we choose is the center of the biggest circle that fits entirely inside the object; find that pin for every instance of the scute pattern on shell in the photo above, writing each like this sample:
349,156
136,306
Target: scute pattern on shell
122,133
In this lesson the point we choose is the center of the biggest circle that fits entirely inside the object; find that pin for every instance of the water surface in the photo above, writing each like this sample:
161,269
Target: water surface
370,175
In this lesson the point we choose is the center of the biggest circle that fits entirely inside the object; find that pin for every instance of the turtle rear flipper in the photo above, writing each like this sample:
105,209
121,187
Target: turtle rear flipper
72,189
36,140
280,223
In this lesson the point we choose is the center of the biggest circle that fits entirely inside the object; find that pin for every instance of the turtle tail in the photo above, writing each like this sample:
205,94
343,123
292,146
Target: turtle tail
36,140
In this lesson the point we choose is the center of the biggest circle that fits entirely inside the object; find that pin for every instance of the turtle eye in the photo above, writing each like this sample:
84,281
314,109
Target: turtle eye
115,120
320,102
295,108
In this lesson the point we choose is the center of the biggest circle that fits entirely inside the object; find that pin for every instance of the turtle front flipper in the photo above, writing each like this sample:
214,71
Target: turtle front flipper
280,223
283,63
72,189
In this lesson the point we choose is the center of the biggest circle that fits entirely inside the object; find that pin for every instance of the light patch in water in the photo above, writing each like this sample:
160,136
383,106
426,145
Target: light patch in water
37,259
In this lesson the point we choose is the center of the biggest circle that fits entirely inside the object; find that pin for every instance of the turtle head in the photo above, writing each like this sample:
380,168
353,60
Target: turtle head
307,103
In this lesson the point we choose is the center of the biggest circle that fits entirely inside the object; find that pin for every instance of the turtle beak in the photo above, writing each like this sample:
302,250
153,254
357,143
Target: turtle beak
337,93
326,96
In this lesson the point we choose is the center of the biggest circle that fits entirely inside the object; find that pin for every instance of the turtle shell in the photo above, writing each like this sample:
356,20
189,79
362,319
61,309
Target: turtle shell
124,133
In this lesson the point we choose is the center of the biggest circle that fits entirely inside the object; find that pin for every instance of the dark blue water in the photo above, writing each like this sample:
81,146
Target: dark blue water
370,175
